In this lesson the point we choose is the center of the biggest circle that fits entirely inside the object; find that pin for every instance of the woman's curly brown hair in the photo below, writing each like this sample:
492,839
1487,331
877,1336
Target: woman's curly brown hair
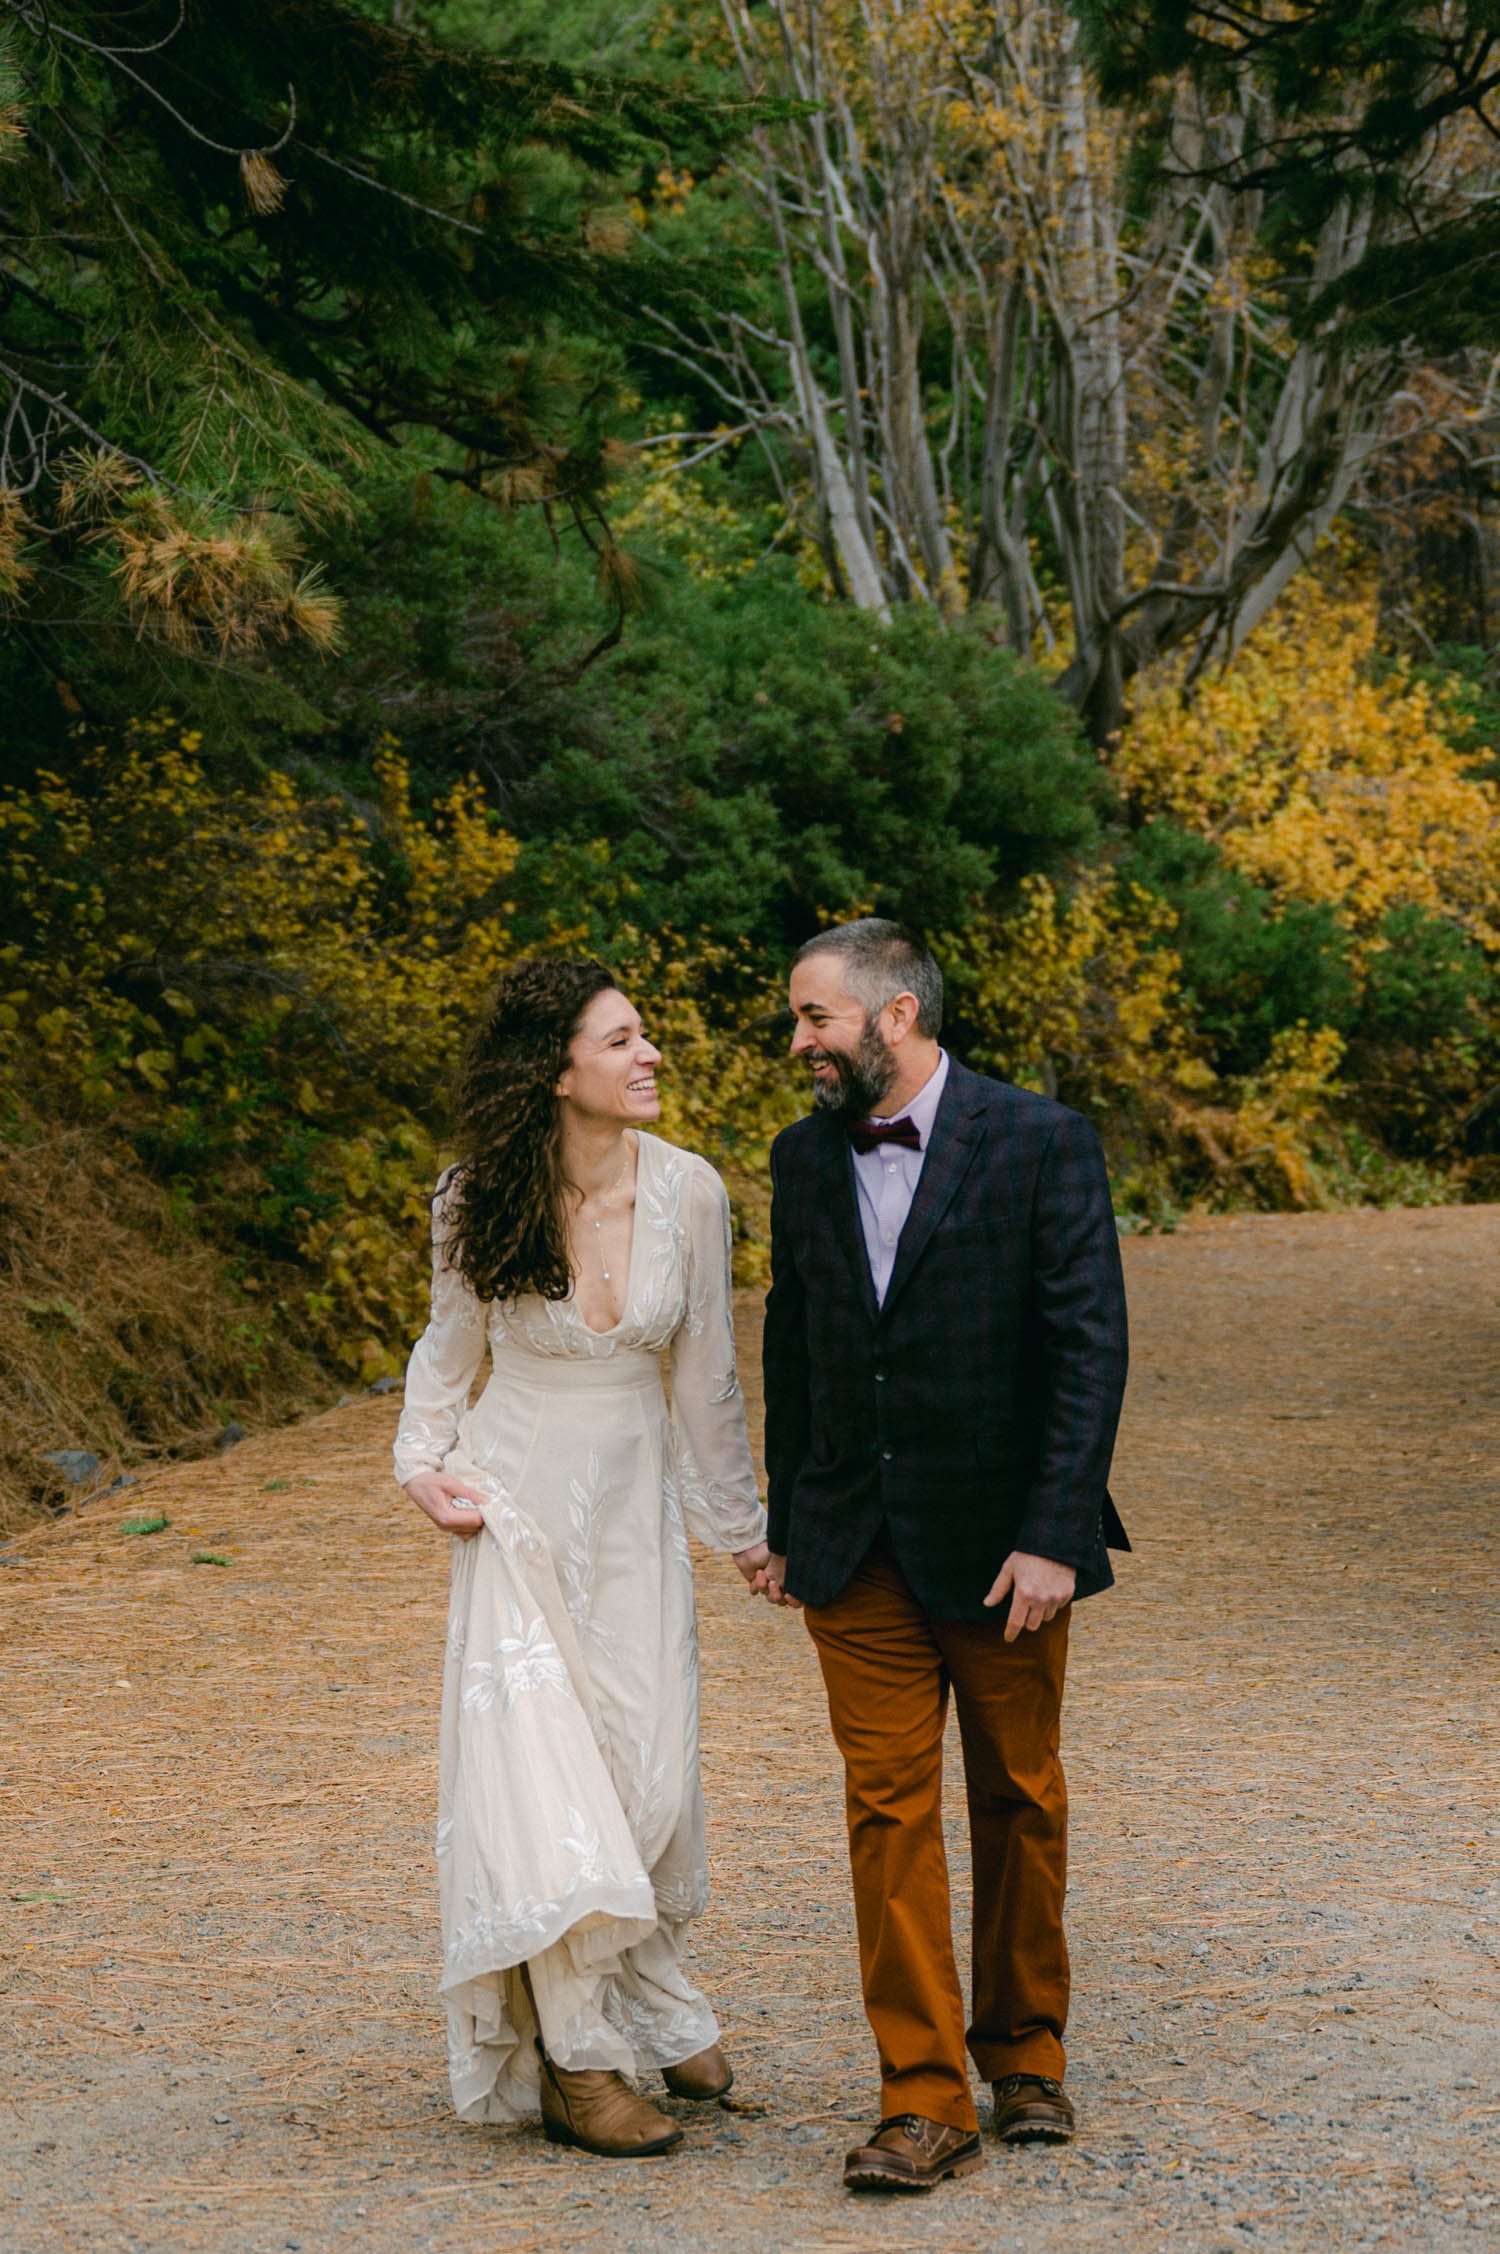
507,1231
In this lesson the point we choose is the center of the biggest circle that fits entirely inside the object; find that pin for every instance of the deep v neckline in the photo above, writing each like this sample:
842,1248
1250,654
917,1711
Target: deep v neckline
641,1140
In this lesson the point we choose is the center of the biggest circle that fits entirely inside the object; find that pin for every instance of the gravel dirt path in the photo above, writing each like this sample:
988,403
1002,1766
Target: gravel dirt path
218,2021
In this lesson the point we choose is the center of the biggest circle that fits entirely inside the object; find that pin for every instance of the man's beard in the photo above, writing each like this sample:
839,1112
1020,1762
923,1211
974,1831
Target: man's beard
862,1080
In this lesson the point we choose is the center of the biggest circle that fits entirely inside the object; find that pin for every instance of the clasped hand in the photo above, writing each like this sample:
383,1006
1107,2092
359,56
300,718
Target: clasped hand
770,1582
752,1563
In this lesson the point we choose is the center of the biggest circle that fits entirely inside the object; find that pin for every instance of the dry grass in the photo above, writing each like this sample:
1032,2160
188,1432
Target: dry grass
119,1333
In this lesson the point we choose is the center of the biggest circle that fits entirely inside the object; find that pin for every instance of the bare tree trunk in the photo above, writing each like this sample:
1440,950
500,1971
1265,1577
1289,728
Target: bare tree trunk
1000,566
1090,393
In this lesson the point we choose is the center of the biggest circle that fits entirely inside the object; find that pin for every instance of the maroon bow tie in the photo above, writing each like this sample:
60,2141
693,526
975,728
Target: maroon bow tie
868,1134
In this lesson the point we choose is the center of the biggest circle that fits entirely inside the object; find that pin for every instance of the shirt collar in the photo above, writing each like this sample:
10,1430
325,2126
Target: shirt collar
923,1108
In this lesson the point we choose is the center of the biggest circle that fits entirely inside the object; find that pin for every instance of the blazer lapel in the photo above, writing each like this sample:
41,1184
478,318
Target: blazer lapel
841,1203
956,1134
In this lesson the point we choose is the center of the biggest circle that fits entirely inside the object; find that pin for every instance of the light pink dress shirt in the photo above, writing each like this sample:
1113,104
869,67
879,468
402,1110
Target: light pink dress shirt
887,1179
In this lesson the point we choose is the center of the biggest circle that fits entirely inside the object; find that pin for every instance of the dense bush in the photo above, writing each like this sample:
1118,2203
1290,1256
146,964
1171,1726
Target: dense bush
752,753
1324,827
1252,966
756,758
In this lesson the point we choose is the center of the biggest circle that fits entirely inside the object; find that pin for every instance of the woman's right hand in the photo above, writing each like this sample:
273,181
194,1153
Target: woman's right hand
443,1500
770,1583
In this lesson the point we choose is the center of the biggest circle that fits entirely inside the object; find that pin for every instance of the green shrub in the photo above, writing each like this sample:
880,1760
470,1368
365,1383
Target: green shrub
1253,966
755,757
1424,982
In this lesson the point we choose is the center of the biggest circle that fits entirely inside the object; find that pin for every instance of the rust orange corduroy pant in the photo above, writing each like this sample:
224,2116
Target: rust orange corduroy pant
888,1666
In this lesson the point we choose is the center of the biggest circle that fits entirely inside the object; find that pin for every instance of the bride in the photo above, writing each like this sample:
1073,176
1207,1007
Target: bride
570,1836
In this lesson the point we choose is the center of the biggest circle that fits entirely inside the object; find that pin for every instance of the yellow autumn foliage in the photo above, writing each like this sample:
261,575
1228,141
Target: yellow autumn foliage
1080,987
1320,776
148,893
1328,775
671,508
1275,1140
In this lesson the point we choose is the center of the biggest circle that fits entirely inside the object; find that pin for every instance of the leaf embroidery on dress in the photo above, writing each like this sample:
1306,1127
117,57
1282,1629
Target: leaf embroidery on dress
654,2033
422,1442
586,1501
525,1660
494,1931
530,1660
671,1504
578,1559
679,1897
726,1384
588,1847
643,1790
659,1302
518,1532
480,1687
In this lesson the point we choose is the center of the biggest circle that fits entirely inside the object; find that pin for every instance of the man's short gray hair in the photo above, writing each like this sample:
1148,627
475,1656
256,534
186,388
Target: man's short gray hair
882,959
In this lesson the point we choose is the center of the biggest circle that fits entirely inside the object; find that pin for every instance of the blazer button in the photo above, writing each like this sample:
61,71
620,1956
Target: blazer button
887,1454
880,1377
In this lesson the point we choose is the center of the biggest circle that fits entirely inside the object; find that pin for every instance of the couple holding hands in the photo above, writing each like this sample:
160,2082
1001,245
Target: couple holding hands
944,1364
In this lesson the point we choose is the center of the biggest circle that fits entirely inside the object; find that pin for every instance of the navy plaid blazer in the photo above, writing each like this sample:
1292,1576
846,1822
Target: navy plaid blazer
973,1413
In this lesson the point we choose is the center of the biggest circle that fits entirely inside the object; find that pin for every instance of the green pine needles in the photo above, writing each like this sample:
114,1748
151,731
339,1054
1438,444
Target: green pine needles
242,247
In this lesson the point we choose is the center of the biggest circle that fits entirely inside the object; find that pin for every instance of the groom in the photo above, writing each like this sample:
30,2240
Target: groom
944,1363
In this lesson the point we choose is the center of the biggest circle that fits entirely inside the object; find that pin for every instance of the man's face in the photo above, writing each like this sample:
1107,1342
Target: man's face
853,1065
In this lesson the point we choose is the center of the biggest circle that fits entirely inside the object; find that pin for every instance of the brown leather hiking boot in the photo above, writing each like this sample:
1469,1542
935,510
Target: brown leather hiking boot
600,2112
907,2153
1032,2105
707,2074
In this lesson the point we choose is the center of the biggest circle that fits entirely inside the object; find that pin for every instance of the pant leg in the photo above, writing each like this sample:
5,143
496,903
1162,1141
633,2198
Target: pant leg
887,1701
1009,1699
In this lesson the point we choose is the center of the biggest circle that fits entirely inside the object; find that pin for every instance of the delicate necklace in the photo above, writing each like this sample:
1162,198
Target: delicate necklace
599,1226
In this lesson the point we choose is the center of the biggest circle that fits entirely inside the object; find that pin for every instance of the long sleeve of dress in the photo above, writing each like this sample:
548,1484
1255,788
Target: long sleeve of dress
443,1361
719,1497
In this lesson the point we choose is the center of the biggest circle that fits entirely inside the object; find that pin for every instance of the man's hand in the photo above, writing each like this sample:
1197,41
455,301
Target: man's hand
1041,1588
751,1562
443,1499
770,1583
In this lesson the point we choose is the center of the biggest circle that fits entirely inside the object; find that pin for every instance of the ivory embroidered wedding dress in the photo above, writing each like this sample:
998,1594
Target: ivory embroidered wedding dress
570,1816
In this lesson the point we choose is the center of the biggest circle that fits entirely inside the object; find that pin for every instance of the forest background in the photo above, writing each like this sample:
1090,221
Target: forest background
650,476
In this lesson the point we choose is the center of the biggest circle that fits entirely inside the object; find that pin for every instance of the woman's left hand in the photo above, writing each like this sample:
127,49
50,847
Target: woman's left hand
750,1561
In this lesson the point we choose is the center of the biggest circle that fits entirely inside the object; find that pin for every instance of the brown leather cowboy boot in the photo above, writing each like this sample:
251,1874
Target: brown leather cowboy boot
600,2112
707,2074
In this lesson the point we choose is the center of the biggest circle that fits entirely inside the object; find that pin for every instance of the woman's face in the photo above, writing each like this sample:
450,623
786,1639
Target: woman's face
611,1072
